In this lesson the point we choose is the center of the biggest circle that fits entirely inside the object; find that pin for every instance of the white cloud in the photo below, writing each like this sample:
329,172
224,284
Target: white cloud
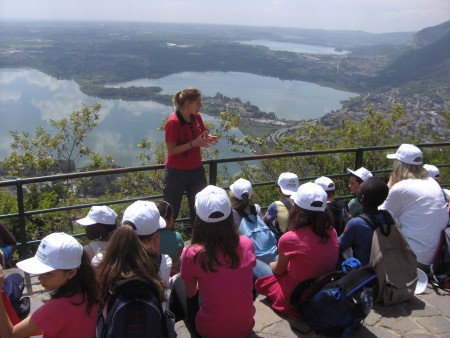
9,95
137,108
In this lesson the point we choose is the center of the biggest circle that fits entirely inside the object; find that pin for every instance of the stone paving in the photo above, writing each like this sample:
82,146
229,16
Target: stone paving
428,315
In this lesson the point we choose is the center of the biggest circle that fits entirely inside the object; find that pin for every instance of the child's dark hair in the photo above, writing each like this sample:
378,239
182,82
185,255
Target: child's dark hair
165,209
319,221
84,282
216,238
372,193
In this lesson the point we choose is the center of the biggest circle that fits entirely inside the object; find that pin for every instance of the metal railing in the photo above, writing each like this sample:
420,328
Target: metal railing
19,183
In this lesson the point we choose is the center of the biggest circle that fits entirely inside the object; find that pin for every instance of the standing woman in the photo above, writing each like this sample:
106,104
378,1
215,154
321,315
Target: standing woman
309,249
66,273
185,134
217,267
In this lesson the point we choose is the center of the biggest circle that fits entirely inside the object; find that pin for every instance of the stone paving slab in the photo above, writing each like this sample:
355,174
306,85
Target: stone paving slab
427,315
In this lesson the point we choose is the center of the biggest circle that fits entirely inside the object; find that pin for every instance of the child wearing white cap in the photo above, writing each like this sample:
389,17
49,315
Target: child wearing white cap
277,213
241,195
417,202
217,267
99,224
309,249
356,178
337,207
128,270
66,273
146,221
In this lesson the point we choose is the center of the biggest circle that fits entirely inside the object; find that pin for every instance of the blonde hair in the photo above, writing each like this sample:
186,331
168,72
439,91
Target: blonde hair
403,171
187,94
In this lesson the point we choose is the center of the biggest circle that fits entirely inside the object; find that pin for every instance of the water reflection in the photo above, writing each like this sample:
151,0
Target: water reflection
30,98
292,100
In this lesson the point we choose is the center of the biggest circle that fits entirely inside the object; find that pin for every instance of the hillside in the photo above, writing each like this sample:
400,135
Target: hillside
428,35
426,60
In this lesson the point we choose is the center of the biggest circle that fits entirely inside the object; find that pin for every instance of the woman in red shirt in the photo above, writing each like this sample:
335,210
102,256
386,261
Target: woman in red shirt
185,134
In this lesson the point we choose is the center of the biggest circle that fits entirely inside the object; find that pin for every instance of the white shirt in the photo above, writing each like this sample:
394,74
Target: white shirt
420,208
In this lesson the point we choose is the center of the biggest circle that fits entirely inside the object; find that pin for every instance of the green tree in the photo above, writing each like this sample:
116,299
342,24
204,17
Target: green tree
46,153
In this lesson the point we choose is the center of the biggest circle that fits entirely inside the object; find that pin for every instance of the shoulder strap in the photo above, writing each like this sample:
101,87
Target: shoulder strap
385,228
243,214
286,203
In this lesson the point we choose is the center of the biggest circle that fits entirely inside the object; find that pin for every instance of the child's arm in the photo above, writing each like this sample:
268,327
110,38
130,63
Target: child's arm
7,330
280,266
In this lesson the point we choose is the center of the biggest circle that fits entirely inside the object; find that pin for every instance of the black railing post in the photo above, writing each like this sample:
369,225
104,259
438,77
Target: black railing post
213,173
23,231
359,158
22,221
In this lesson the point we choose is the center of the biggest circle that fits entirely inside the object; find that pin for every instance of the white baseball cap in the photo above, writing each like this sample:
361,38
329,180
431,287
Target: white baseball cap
307,194
433,171
288,183
326,183
210,200
56,251
407,153
422,282
99,214
362,173
145,217
241,187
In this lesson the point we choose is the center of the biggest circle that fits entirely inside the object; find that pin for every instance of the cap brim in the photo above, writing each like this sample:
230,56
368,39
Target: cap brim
391,156
34,266
350,171
162,223
287,191
86,221
422,283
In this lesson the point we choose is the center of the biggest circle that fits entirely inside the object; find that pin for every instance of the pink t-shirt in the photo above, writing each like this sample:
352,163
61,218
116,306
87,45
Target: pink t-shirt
60,318
227,308
308,258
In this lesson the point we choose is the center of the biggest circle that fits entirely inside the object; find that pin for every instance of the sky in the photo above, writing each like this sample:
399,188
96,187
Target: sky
375,16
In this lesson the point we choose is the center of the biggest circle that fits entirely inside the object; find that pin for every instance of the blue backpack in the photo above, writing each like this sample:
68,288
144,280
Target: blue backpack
264,240
338,302
135,312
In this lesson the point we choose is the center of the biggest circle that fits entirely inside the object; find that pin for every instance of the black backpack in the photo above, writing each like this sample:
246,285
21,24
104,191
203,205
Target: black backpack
135,312
338,302
340,215
440,267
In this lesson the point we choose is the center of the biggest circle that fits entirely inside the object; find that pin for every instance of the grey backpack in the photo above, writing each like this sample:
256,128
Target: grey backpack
394,261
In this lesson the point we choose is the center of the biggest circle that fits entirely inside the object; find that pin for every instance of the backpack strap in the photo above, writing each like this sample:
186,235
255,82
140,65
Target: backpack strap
384,228
243,214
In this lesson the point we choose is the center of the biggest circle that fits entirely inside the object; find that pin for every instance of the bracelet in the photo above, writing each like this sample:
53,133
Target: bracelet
190,142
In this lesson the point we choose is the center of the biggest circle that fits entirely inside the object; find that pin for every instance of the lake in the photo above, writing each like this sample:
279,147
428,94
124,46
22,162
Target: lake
294,47
291,100
29,98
